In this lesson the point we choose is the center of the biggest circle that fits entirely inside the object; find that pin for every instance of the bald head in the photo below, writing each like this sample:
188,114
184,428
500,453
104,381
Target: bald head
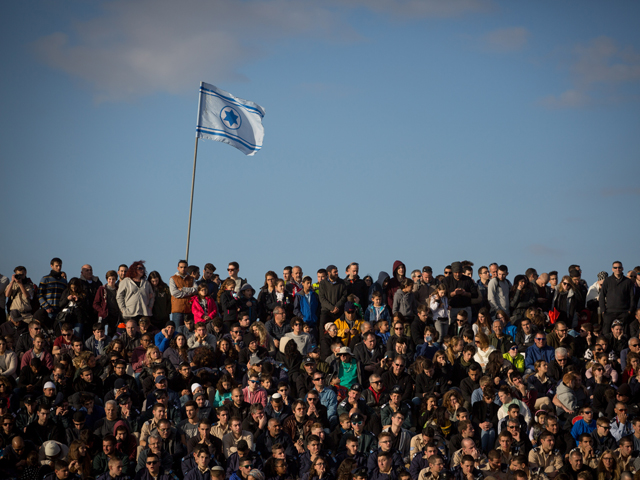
17,443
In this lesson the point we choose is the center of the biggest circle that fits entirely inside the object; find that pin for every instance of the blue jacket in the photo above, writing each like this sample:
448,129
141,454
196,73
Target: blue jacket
534,354
581,427
309,310
162,342
370,314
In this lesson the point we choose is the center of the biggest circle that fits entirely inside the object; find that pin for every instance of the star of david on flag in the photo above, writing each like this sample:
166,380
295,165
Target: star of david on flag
232,120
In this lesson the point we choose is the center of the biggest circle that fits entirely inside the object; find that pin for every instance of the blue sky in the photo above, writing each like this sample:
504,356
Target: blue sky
427,131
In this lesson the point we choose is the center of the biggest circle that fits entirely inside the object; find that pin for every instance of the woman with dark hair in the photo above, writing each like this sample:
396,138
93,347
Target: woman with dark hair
269,287
319,470
224,351
495,365
74,307
522,297
178,351
135,294
105,302
223,390
162,302
565,301
229,303
428,407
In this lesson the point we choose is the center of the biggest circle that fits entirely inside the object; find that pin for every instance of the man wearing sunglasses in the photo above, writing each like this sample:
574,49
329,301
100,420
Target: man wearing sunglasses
616,297
367,441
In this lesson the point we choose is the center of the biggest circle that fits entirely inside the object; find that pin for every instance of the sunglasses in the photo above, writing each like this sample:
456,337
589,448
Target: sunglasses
152,462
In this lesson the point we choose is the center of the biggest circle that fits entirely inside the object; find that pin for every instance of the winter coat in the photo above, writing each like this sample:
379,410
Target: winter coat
198,311
135,300
229,304
377,286
404,303
520,302
307,308
394,282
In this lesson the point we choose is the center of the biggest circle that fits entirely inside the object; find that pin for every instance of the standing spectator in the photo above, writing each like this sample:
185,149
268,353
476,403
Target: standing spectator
398,275
498,291
462,290
90,285
207,279
181,286
234,270
51,288
19,293
162,300
333,295
135,295
616,297
105,303
355,285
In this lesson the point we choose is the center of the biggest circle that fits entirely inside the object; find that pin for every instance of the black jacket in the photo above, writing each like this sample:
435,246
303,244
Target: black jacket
616,295
359,289
467,284
332,295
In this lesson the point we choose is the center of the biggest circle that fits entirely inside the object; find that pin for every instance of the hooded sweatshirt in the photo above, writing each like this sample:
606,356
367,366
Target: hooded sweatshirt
394,283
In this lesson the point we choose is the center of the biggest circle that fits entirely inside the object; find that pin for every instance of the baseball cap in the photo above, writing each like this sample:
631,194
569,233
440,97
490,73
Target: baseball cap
349,307
356,387
309,360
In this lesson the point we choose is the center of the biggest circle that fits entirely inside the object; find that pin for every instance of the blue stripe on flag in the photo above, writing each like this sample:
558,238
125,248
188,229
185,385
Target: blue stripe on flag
255,149
231,100
228,133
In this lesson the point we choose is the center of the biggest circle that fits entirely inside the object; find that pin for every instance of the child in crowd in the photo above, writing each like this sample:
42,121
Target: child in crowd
352,298
382,327
404,301
377,310
202,306
248,302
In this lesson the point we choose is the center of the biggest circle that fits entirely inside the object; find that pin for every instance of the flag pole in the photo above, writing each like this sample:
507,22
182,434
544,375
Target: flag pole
193,181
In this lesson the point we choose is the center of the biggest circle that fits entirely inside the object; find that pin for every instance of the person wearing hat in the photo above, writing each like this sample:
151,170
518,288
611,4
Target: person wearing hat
50,451
277,408
462,290
332,293
28,413
367,441
120,382
354,399
349,325
617,339
49,394
252,347
394,406
15,327
347,368
304,380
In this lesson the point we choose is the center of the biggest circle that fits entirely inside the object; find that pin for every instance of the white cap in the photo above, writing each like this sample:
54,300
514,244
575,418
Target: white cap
195,386
49,385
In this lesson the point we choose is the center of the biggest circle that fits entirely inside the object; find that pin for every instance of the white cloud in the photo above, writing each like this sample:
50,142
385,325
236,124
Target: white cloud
146,46
506,39
597,70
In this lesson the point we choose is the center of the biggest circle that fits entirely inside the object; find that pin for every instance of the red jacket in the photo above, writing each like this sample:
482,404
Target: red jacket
198,311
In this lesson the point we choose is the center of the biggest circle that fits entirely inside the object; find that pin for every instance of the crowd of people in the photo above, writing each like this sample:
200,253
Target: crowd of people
408,376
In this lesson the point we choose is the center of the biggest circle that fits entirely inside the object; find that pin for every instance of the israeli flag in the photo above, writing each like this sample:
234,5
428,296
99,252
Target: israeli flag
229,119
